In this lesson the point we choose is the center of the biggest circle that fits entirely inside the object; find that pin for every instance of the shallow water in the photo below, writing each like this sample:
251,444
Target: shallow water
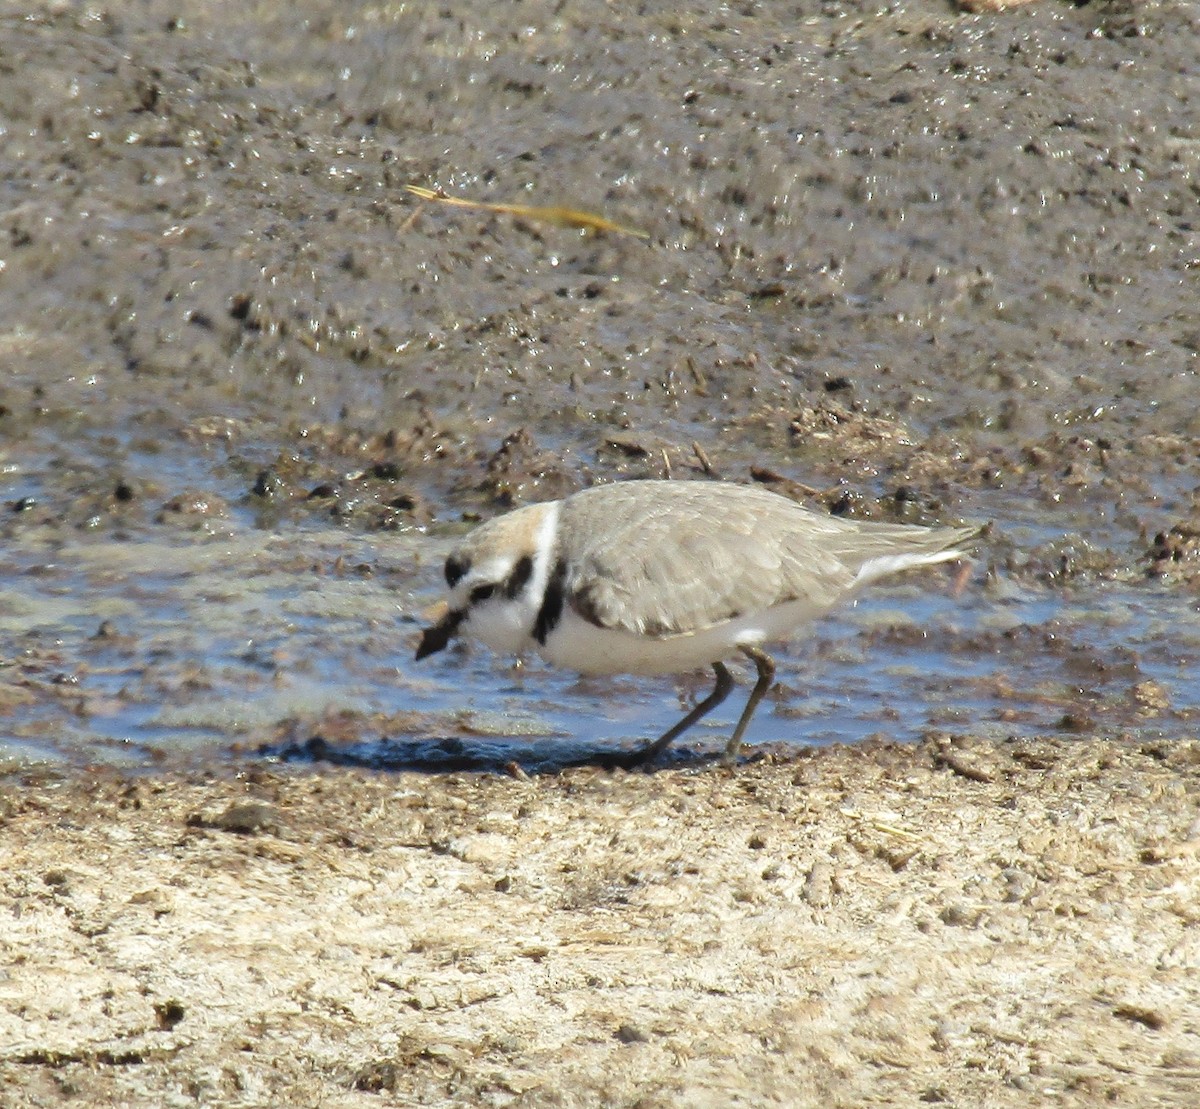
132,653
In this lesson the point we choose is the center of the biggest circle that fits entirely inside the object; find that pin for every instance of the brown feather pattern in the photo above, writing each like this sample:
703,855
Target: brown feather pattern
724,550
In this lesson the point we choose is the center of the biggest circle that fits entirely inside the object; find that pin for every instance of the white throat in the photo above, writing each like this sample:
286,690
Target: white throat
506,624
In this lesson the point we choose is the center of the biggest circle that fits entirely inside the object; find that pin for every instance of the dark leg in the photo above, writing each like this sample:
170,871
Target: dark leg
766,675
719,693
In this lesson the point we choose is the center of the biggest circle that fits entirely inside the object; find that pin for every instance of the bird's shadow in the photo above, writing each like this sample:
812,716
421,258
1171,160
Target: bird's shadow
447,754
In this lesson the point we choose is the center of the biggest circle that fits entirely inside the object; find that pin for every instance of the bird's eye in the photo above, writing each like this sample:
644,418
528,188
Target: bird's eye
481,593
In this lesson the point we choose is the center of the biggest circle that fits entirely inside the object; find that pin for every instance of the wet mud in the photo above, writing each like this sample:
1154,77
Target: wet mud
903,262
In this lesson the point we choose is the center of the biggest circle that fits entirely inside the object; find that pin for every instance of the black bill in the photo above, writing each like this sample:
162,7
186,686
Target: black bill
435,638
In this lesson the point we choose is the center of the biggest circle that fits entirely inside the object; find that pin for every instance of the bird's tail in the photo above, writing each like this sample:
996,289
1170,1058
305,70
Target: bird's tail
890,548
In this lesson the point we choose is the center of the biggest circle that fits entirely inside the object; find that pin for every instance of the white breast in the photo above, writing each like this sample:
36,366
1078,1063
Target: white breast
582,646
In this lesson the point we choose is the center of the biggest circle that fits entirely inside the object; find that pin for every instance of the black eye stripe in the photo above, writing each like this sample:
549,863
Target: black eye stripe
519,577
456,570
511,586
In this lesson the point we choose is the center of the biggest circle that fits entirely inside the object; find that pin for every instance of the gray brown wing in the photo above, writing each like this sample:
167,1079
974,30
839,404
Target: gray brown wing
681,564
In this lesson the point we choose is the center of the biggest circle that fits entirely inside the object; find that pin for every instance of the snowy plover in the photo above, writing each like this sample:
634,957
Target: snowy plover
656,577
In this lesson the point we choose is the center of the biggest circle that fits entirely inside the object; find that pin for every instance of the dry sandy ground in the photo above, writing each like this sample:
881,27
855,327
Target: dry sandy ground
947,924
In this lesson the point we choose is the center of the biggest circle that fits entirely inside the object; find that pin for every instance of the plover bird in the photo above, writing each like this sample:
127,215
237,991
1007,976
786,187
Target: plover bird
658,577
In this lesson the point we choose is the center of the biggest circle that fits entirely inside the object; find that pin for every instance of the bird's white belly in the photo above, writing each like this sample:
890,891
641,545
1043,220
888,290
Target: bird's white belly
582,646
